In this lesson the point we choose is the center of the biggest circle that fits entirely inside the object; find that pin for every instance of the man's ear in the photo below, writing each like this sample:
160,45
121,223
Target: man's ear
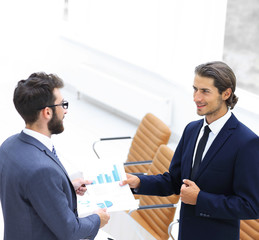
47,113
226,94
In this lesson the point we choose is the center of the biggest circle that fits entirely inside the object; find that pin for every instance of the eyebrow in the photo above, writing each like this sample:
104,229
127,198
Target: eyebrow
202,88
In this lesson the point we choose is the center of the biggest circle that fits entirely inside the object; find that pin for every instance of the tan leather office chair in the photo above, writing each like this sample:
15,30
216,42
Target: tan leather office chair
150,134
157,221
249,229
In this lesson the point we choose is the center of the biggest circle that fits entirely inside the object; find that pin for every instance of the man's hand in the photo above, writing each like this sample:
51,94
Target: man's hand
189,192
80,185
132,180
104,216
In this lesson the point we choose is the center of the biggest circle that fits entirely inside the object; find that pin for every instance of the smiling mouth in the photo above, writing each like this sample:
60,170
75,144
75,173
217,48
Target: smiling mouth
199,106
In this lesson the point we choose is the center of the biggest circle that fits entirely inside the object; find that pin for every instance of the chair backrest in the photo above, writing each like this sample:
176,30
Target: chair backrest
249,229
157,221
151,133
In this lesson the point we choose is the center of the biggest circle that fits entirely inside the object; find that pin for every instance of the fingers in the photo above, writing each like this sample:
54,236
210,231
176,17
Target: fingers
87,182
84,182
133,181
100,210
127,181
188,182
124,182
189,192
104,216
80,193
81,181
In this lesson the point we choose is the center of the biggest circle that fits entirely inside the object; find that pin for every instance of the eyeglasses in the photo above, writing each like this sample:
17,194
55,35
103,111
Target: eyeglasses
64,105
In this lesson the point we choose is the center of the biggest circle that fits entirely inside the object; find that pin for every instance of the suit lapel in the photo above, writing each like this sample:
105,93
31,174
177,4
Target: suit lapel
33,141
219,141
192,141
51,155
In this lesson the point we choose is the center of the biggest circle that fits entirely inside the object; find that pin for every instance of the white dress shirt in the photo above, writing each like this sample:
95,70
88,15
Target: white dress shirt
215,128
45,140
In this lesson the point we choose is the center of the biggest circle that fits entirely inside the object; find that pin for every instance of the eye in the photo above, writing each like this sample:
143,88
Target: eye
205,90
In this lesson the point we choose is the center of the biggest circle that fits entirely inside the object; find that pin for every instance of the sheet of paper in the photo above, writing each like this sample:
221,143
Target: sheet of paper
105,191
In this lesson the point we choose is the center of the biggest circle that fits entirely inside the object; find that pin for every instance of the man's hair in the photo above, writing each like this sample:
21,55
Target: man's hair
223,76
35,93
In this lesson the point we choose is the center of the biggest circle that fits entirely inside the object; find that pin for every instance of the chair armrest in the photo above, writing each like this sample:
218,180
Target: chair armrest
157,206
138,174
114,138
108,139
137,163
126,164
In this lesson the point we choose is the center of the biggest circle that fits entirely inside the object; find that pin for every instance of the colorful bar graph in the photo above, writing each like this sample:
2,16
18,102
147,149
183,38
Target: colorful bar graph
115,174
108,177
100,178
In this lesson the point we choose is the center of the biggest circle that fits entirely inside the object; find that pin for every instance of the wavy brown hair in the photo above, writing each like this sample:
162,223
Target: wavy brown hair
223,76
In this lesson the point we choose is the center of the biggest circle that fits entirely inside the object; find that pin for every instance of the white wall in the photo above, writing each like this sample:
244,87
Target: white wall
139,56
164,37
133,57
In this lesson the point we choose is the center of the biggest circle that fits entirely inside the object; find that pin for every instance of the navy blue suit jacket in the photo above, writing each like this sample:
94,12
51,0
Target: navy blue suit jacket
228,178
37,197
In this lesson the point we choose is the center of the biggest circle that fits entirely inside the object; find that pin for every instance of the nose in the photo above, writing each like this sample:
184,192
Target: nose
197,96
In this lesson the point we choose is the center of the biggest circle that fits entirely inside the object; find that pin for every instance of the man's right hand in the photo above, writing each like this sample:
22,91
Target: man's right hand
104,216
132,180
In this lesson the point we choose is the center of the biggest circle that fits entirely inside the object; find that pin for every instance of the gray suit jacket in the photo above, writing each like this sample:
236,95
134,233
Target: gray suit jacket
38,199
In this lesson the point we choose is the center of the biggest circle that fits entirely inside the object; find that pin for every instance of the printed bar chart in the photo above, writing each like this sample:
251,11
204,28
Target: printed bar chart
100,178
105,190
109,177
115,174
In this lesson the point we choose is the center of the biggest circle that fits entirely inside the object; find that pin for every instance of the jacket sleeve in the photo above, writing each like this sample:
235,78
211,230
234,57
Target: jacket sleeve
167,183
48,193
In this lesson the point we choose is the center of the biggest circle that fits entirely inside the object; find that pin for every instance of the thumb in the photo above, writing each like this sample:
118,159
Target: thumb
124,182
87,182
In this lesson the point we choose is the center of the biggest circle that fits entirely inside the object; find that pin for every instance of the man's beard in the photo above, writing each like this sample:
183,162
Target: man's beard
55,125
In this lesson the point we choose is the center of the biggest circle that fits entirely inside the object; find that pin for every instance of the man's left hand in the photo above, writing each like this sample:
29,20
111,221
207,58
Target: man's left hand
189,192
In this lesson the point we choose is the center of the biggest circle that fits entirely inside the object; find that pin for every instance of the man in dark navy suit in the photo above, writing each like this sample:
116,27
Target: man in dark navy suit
215,165
38,199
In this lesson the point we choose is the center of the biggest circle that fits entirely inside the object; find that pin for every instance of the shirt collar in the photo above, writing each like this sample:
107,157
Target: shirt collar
216,126
40,137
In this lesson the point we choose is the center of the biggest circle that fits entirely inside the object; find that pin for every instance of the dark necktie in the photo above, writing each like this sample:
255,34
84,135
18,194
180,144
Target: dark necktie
199,151
57,159
54,152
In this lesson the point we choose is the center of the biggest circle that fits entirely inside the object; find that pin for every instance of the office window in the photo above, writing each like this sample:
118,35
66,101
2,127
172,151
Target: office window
241,50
